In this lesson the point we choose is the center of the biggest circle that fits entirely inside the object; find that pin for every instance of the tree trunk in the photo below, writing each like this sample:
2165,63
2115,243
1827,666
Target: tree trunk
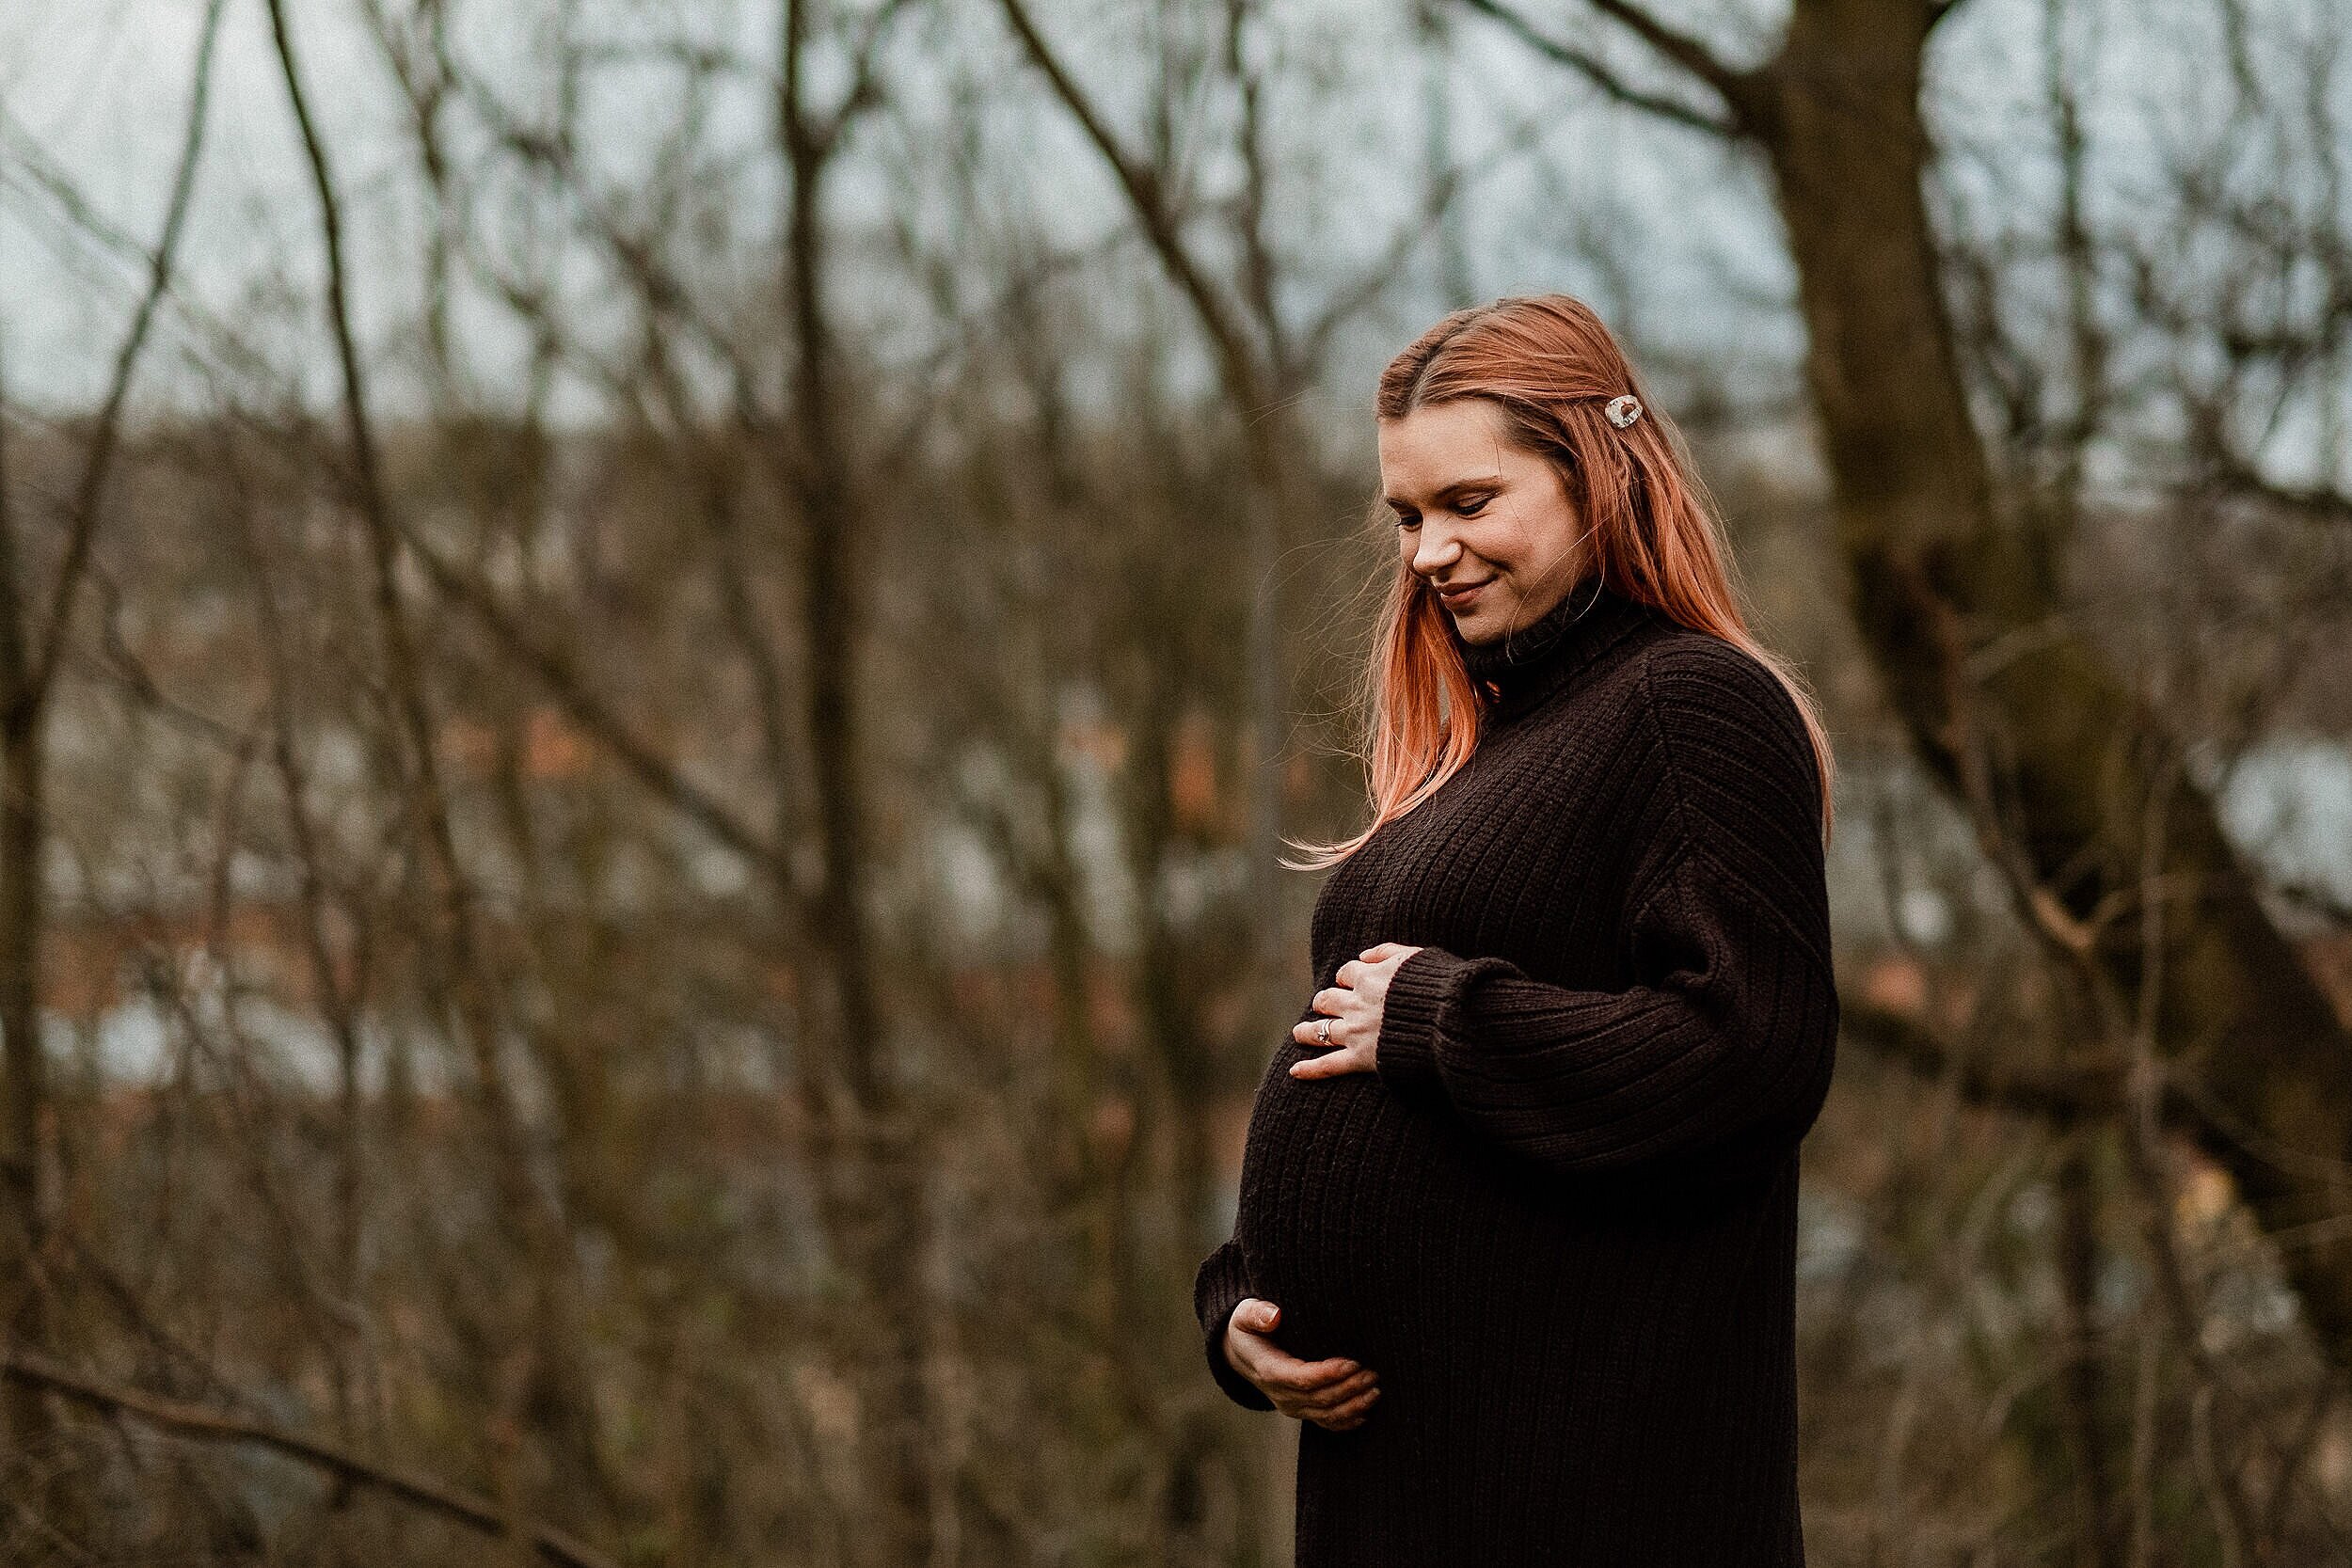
872,1178
30,1430
2055,757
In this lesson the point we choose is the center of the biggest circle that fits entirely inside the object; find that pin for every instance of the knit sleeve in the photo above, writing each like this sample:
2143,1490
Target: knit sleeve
1714,1062
1219,1286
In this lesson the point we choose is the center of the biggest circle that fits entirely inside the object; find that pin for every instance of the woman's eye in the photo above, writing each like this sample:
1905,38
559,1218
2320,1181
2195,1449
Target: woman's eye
1474,506
1406,520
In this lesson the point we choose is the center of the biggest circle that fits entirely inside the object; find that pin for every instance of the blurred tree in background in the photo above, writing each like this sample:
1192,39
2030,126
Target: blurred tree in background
652,659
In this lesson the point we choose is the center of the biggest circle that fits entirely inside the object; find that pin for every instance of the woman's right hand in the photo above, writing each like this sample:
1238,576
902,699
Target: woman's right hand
1337,1393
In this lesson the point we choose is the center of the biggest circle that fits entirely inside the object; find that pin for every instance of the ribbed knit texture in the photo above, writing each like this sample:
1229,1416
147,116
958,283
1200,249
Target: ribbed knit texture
1559,1222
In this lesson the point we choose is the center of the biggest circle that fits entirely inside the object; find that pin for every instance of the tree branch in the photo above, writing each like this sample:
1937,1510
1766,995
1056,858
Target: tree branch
1681,48
864,90
655,771
387,527
2316,503
2083,1093
1601,74
1147,192
1353,295
202,1425
89,494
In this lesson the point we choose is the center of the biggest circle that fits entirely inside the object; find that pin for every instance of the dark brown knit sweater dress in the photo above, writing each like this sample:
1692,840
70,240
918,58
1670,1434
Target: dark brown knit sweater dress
1560,1220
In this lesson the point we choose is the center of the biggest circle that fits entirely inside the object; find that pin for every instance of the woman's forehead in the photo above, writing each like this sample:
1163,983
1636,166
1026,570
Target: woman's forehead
1442,444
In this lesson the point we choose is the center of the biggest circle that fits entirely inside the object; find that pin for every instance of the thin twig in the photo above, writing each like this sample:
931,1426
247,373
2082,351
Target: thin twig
203,1425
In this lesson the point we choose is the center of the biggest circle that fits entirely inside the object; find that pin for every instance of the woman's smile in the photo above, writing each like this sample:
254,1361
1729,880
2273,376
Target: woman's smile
1486,526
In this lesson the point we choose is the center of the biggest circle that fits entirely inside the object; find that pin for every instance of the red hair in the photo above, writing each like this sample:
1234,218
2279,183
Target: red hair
1649,524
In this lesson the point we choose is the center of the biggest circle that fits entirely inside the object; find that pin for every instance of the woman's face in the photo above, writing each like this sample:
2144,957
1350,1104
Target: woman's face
1478,513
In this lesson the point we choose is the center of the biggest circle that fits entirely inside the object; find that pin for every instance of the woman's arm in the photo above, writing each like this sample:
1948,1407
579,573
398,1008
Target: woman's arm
1715,1062
1220,1285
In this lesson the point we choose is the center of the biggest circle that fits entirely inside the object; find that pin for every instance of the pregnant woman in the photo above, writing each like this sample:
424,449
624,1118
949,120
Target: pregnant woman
1517,1231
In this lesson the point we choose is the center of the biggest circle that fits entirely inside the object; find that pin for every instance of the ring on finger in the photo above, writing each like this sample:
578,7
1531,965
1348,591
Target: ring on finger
1322,1032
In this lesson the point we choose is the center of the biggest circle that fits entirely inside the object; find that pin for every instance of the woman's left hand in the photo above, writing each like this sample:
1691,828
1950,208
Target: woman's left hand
1354,1005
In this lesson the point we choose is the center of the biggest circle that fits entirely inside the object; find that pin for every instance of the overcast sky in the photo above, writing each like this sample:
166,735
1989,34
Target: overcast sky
96,89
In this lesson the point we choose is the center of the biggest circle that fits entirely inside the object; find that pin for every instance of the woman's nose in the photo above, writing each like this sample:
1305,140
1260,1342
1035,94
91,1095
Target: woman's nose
1431,555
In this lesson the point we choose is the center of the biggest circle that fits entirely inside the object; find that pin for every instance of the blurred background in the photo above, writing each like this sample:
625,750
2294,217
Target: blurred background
653,659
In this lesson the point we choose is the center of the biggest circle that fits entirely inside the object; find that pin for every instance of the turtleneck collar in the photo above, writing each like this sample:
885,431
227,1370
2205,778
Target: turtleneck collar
1518,670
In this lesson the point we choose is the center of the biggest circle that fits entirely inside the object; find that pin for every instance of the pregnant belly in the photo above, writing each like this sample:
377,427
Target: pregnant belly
1363,1217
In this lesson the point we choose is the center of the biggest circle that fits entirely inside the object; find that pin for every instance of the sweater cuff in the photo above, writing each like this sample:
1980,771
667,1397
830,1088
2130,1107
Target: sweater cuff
1405,1055
1221,1286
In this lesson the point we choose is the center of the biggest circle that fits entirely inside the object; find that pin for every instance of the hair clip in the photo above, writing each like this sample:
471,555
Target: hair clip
1623,410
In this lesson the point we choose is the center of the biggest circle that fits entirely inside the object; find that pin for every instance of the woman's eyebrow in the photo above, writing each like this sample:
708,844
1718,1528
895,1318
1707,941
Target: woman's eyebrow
1489,482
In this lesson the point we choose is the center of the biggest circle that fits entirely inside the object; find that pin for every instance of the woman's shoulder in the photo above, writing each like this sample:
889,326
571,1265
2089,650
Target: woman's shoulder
1719,709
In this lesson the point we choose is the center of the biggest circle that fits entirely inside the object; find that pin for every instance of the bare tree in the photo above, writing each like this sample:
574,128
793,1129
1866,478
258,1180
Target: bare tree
34,625
2005,699
673,826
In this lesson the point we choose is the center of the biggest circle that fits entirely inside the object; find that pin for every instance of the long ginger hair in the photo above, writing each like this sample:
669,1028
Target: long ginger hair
1648,521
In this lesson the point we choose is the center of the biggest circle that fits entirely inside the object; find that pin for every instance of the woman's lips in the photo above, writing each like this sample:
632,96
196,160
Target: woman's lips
1457,598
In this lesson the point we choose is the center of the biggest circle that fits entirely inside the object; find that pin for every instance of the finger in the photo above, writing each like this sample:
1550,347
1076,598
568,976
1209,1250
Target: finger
1345,1391
1320,1376
1330,1388
1376,954
1350,1415
1254,1318
1313,1377
1310,1031
1342,1059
